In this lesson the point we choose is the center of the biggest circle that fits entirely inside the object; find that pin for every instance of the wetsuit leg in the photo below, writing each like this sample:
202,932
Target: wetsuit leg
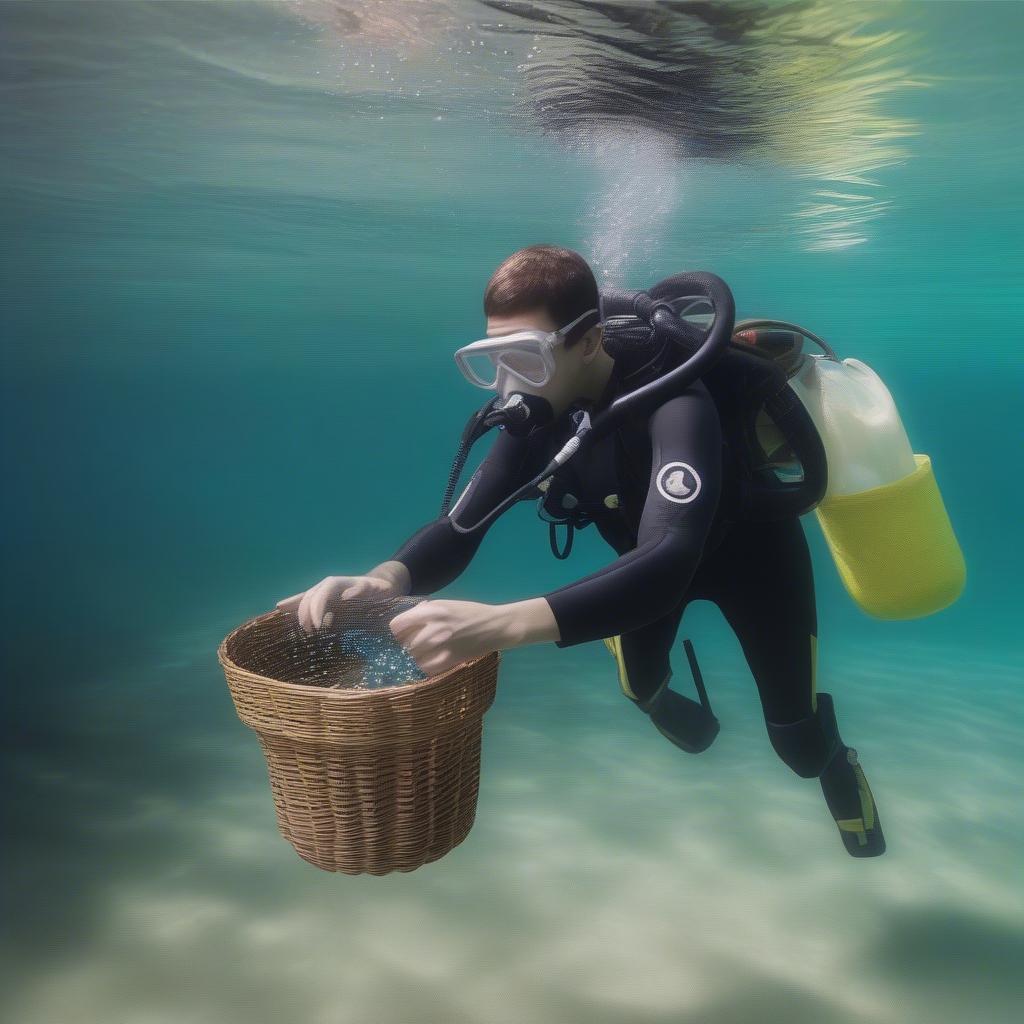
642,657
761,578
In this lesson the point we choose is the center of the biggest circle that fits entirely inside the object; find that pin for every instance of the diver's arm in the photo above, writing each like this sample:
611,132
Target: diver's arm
524,622
647,582
437,554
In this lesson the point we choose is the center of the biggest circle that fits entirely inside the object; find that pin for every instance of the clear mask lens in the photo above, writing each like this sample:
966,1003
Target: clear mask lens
483,366
521,363
528,365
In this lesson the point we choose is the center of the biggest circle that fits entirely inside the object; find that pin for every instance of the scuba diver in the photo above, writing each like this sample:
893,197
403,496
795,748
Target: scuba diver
612,408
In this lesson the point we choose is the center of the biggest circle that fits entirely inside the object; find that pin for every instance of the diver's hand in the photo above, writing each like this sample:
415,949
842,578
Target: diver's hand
442,634
315,607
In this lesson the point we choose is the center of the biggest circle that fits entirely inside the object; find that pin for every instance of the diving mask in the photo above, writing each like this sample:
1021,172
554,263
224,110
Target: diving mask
527,356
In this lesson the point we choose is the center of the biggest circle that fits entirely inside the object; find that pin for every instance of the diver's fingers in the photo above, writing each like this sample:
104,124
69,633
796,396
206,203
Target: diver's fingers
403,623
325,592
367,586
305,619
289,604
357,586
360,588
411,621
317,600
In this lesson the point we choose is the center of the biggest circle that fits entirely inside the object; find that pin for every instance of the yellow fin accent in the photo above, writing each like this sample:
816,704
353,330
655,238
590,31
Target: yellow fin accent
854,825
867,800
861,825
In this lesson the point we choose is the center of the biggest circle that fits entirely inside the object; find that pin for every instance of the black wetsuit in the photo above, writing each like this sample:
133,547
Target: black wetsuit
662,491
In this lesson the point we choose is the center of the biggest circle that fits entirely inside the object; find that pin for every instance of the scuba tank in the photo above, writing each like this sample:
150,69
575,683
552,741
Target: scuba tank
882,514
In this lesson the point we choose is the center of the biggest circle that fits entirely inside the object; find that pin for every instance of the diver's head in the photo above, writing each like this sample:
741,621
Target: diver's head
577,362
552,290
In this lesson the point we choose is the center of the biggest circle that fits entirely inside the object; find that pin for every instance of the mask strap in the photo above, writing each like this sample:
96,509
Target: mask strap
582,324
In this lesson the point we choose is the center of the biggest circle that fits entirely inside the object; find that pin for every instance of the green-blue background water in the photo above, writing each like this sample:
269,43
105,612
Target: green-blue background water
241,241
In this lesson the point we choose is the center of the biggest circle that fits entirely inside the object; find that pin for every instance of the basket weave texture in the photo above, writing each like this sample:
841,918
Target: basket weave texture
363,781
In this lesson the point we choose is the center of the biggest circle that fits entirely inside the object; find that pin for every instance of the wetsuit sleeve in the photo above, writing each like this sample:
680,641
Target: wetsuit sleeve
436,554
682,497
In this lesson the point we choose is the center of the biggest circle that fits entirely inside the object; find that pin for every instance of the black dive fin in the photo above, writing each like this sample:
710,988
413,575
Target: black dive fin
846,791
690,726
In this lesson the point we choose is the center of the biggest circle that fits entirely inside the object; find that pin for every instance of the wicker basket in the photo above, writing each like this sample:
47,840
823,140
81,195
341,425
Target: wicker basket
364,781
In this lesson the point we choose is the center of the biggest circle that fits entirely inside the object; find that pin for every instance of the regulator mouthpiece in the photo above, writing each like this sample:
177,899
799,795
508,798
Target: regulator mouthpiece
521,413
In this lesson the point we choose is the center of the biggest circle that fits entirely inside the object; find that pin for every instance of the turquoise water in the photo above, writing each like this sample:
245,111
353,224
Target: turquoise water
242,241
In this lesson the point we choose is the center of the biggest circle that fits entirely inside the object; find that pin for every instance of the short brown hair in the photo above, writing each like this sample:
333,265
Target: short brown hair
545,277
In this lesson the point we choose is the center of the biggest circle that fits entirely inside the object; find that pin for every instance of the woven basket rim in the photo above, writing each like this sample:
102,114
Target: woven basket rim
331,693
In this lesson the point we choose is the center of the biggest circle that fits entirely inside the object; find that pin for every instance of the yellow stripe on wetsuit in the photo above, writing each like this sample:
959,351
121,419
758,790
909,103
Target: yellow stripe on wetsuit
614,645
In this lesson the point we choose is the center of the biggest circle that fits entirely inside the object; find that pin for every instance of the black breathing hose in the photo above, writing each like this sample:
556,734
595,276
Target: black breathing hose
474,428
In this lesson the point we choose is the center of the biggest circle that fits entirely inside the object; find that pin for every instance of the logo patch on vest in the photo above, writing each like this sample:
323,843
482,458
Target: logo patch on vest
678,482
